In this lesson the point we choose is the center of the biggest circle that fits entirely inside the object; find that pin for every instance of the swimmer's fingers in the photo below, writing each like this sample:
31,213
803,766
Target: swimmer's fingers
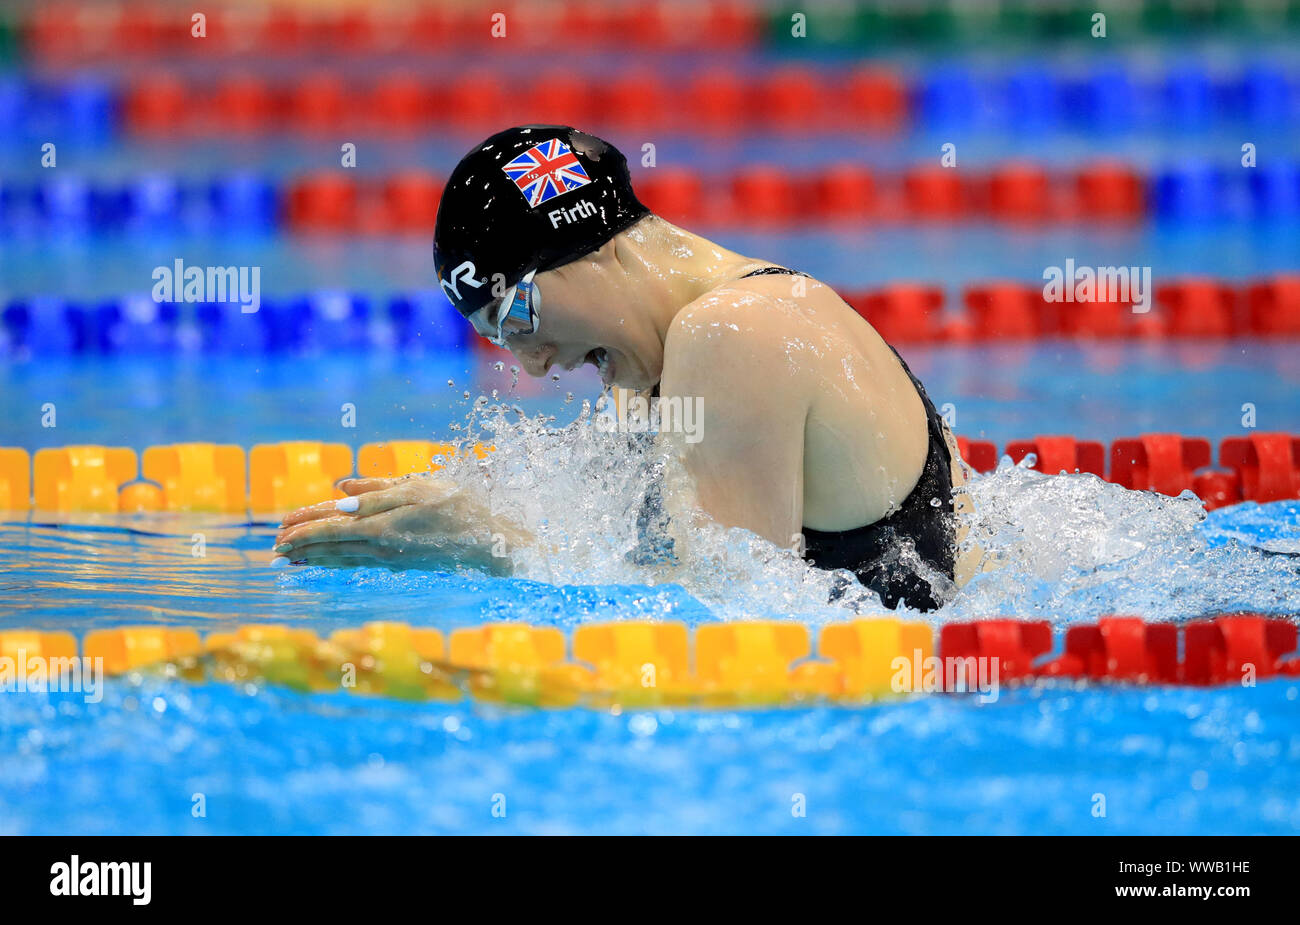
311,512
352,507
361,486
334,529
351,487
377,502
342,555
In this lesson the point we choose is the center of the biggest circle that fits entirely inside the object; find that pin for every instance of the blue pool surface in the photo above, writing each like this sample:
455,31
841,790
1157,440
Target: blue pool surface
1098,391
1165,760
268,760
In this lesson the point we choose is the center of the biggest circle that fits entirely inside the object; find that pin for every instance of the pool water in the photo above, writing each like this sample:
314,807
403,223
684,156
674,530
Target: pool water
1054,758
1170,761
267,759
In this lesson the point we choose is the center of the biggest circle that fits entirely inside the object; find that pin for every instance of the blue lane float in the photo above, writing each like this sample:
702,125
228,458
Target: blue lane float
327,321
1186,94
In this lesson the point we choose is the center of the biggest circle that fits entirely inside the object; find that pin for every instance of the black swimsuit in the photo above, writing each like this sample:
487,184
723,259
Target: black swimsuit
881,553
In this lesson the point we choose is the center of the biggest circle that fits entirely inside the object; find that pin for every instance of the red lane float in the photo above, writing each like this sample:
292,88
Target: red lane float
1217,489
1198,308
1274,306
1110,192
980,455
1164,463
1261,467
1119,648
1061,454
1014,643
845,191
903,312
1008,311
1020,193
1236,648
677,195
1266,466
324,202
934,193
1225,649
62,32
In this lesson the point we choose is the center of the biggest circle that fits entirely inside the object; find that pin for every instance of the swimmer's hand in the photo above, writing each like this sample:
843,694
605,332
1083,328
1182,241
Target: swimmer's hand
413,522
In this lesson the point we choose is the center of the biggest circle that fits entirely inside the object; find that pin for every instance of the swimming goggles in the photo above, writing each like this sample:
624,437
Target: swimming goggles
516,314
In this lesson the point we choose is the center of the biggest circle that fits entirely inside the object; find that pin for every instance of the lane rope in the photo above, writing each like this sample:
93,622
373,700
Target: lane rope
643,664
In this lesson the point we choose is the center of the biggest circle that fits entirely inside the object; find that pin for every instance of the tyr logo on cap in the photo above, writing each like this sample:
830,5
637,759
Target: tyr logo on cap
545,171
462,274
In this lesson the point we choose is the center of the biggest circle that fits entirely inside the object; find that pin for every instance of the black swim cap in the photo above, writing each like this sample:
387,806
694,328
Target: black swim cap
532,197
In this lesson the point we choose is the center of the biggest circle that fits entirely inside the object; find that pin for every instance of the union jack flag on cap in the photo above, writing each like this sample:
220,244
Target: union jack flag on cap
545,171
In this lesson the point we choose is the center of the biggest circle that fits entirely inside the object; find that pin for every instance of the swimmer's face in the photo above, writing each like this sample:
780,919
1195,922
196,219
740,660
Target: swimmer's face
577,327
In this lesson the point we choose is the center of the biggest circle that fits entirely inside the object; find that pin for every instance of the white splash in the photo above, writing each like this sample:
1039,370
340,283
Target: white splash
1067,547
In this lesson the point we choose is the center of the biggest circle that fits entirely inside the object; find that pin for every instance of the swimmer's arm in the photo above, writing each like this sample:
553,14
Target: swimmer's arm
746,456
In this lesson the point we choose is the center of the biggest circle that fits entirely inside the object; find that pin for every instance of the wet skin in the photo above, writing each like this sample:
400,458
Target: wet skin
808,417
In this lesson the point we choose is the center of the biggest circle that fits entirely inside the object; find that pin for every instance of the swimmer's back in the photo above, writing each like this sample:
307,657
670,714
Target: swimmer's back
865,436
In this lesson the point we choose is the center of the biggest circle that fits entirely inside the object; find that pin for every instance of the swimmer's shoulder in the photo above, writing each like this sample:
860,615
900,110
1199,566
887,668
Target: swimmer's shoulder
728,335
727,318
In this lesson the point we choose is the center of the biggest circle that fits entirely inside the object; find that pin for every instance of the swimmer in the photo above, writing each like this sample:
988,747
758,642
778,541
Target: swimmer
815,434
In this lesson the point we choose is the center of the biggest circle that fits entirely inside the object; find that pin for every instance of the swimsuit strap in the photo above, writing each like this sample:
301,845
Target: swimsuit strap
773,271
